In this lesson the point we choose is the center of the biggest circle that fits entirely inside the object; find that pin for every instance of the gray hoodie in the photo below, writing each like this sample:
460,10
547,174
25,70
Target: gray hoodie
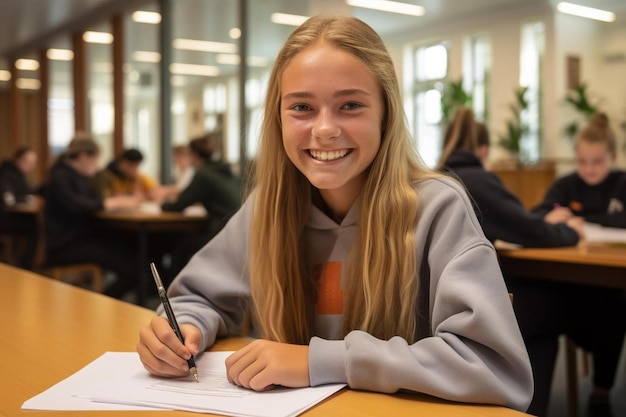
470,348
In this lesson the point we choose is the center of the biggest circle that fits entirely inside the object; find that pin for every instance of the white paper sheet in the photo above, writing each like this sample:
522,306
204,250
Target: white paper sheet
597,233
118,379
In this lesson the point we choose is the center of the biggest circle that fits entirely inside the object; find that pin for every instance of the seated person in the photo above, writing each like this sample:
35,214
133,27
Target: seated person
596,191
16,189
123,177
183,172
70,206
355,263
215,187
544,310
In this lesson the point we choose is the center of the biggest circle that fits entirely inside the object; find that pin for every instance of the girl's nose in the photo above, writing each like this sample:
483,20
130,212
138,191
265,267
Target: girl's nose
325,126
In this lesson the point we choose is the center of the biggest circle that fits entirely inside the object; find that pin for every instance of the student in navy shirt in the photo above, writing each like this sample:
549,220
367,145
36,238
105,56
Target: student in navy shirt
596,191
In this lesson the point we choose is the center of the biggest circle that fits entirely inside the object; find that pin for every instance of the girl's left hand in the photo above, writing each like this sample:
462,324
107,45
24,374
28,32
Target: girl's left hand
264,364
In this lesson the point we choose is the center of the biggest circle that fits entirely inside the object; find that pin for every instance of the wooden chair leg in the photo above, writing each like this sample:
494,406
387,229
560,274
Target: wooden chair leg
98,280
572,377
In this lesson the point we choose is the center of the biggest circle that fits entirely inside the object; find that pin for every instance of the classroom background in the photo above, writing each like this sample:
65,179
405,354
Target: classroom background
153,74
150,74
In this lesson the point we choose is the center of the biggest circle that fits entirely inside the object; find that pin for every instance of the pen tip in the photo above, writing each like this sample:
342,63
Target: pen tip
194,371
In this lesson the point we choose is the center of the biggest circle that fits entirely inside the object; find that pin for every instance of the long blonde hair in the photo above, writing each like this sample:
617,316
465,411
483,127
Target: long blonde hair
381,286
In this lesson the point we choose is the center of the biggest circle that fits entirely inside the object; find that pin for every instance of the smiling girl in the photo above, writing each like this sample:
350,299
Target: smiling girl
357,264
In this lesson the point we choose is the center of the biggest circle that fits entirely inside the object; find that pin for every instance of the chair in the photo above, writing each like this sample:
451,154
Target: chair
6,249
77,274
571,372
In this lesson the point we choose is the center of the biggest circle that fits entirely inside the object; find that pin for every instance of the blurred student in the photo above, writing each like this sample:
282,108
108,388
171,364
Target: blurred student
544,310
122,176
15,188
215,187
183,172
183,167
596,191
502,215
358,264
70,206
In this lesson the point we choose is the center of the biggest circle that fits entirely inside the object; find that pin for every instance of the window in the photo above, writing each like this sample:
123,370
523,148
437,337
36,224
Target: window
531,59
429,69
476,69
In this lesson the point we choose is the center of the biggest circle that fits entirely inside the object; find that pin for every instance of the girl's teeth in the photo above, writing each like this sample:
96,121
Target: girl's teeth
328,155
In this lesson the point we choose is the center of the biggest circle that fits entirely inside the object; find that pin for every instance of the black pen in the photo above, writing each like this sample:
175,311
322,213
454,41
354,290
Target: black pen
171,318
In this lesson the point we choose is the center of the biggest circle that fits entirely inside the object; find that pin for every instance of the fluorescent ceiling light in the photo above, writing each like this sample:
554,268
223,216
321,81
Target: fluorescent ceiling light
288,19
27,65
388,6
98,37
205,46
60,54
253,61
234,33
28,84
5,75
151,18
583,11
146,56
191,69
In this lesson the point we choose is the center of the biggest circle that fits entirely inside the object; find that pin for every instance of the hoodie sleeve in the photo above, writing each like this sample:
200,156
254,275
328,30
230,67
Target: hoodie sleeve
212,290
475,352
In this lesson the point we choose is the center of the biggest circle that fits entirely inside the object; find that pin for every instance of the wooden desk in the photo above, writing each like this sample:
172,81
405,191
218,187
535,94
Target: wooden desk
144,224
588,263
51,330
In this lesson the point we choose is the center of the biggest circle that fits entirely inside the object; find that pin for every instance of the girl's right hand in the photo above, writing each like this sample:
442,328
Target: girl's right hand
161,352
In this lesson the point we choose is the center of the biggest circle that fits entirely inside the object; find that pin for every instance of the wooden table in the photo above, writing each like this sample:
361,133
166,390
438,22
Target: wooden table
51,330
588,263
144,224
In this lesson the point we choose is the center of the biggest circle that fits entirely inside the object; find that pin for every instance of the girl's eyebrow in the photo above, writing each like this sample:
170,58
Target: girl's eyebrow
340,93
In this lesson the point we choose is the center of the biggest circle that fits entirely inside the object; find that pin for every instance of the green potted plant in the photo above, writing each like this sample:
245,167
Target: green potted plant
453,97
578,98
515,128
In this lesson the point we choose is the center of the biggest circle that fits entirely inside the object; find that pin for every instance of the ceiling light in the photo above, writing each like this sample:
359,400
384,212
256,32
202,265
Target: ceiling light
27,65
234,33
388,6
151,18
583,11
98,37
5,75
252,61
60,54
205,46
147,56
191,69
288,19
28,84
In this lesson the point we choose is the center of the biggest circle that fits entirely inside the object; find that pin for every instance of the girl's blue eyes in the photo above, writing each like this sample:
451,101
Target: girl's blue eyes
352,105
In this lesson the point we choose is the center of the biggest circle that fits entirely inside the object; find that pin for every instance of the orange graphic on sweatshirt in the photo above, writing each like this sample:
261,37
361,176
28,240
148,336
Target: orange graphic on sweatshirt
330,294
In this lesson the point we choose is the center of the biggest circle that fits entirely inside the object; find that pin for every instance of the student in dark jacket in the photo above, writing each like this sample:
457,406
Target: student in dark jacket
70,206
16,189
544,310
596,191
215,187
